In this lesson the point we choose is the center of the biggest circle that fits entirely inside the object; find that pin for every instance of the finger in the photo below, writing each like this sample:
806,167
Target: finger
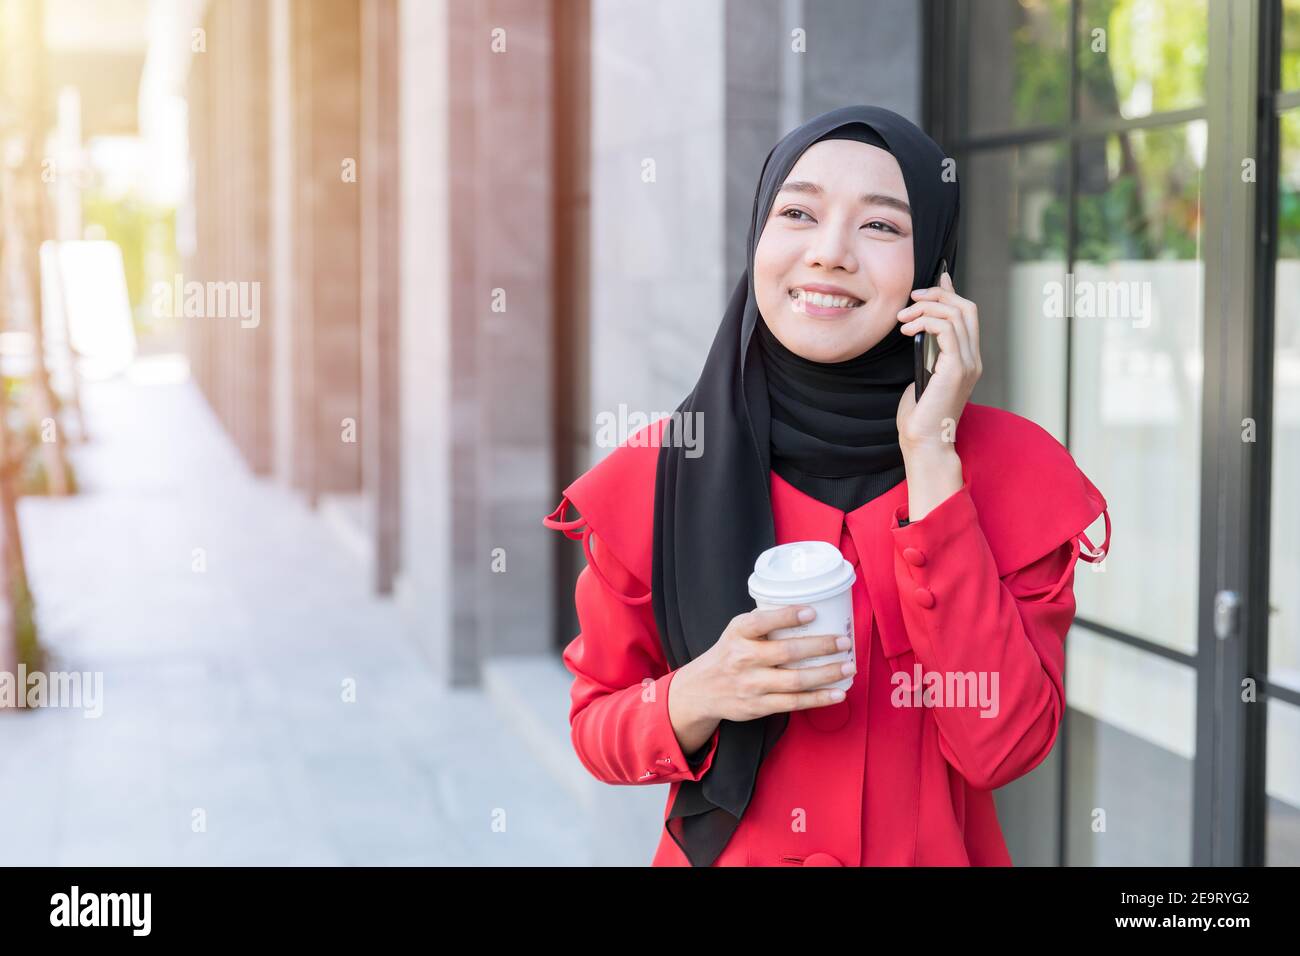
806,700
791,680
756,624
945,329
953,315
795,649
969,313
944,310
943,292
949,292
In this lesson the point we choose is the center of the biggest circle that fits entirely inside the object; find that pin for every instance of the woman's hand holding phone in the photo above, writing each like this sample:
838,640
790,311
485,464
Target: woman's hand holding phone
954,323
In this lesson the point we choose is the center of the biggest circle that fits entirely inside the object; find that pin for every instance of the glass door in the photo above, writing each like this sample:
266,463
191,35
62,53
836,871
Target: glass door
1107,149
1273,788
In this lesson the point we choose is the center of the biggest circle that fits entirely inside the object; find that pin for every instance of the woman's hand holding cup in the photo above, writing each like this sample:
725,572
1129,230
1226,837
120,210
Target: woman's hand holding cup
742,677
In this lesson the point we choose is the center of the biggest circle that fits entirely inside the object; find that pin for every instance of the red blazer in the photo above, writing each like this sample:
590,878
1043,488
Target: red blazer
982,583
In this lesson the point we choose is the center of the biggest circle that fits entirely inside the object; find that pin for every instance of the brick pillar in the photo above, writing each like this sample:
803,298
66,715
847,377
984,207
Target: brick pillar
282,301
326,236
250,210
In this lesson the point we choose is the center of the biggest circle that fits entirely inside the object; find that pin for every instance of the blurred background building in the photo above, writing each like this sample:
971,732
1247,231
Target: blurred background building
444,237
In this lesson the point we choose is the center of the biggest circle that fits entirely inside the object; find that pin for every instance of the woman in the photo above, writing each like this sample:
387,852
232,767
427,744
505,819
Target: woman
963,524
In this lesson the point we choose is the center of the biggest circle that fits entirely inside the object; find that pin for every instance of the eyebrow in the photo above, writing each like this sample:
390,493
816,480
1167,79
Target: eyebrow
871,199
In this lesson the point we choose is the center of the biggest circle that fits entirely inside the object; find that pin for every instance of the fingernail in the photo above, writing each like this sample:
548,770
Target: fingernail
837,694
849,668
843,643
807,614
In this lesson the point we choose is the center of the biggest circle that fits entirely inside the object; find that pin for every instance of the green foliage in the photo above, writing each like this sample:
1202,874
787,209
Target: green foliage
25,434
1288,201
1151,212
1288,224
1160,43
1290,44
1138,193
1041,77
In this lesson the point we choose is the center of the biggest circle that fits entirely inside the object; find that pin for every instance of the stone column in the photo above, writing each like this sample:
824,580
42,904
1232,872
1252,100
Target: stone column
380,277
478,278
510,306
196,97
430,372
223,53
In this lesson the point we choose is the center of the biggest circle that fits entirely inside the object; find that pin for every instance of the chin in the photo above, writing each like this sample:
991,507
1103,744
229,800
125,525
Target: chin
825,344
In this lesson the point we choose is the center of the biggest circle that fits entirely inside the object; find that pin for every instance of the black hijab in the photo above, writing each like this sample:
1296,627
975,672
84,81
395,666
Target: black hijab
713,512
833,429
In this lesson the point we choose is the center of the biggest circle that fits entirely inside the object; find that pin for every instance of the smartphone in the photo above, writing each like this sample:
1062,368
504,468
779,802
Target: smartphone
925,347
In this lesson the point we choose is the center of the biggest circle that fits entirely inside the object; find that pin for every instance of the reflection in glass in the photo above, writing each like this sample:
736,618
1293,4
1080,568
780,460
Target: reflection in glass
1131,748
1282,785
1020,76
1284,598
1014,201
1138,57
1137,361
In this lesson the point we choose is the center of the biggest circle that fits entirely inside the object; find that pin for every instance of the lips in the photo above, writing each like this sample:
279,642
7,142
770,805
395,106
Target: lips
804,299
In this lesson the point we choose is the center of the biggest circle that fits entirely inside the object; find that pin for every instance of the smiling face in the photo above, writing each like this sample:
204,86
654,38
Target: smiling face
833,265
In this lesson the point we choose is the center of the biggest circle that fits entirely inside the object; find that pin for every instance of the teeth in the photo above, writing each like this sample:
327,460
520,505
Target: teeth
821,300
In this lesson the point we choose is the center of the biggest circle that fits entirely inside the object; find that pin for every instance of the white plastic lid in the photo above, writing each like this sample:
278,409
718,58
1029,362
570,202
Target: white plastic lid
800,571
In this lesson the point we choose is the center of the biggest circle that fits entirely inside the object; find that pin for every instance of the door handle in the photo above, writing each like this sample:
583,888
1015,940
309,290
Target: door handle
1226,607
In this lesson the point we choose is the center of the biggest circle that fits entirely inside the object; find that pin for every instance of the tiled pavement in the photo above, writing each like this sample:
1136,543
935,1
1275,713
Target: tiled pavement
223,688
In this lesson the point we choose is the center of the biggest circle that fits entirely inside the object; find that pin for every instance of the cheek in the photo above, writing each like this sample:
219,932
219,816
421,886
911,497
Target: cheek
772,262
772,252
892,268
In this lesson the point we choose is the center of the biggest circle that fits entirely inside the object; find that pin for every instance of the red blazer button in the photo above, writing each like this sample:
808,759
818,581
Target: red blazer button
914,556
821,859
924,597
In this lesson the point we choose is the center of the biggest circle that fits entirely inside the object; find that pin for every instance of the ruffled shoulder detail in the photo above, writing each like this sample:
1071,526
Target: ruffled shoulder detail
615,501
1030,494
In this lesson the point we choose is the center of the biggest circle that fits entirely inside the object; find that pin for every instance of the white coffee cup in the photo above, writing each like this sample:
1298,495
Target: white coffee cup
812,573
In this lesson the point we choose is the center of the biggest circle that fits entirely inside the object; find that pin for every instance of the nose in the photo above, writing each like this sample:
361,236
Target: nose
831,248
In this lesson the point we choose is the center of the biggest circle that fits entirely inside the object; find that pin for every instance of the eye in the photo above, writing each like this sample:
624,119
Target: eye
785,214
877,222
